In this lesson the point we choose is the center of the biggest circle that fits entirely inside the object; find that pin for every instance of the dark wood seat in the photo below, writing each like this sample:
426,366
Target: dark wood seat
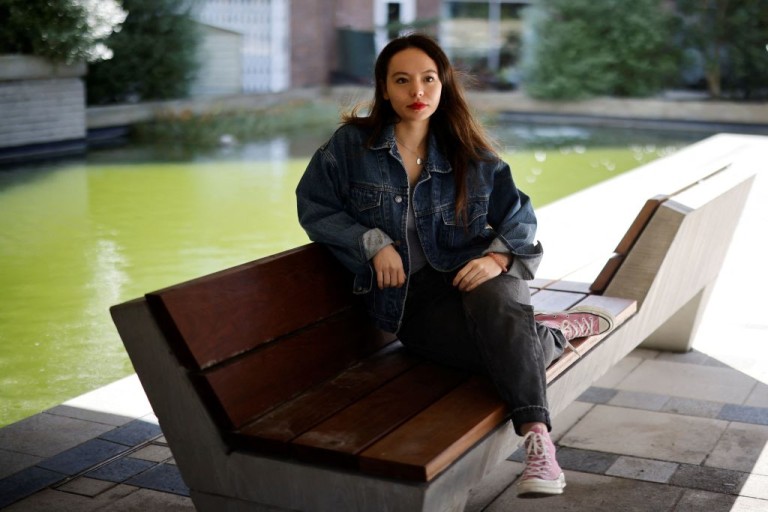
288,365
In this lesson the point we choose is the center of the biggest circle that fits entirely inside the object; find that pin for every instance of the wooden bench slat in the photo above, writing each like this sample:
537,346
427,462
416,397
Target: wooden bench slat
625,244
273,431
428,443
251,385
338,439
549,300
213,318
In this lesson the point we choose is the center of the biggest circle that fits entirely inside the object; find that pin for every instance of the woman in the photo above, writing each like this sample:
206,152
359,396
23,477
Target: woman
415,202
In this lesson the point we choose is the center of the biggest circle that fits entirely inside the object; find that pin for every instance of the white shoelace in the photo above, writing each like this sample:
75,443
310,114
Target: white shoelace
573,349
536,456
576,328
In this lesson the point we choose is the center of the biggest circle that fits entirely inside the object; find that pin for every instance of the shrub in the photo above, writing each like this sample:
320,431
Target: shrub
581,48
154,54
728,39
60,30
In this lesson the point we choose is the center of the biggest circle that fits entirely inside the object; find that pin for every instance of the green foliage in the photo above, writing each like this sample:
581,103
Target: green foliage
206,129
154,55
730,38
60,30
582,48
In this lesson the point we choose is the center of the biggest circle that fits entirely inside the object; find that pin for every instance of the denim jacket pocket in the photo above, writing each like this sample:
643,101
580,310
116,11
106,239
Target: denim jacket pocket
453,231
363,283
367,202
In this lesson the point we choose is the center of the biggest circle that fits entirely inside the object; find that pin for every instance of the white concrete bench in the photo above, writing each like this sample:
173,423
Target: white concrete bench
274,392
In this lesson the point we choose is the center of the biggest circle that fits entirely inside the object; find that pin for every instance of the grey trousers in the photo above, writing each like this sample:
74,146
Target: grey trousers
490,330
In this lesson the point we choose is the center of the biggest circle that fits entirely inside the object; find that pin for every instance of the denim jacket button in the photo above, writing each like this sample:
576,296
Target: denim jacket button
398,199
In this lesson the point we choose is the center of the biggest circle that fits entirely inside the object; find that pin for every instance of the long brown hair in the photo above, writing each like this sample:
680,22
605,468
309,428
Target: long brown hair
457,131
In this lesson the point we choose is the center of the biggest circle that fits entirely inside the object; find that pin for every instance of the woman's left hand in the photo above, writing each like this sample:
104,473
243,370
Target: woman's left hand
475,273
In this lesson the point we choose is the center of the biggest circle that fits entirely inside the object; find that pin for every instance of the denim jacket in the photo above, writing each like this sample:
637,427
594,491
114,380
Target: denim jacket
354,199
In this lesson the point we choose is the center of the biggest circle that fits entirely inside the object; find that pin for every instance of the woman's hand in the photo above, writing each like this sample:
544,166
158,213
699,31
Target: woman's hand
389,268
475,273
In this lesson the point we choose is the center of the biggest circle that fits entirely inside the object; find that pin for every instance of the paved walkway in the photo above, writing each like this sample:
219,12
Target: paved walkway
659,432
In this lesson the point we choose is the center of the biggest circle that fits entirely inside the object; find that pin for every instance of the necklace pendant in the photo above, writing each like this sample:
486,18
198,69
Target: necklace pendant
418,161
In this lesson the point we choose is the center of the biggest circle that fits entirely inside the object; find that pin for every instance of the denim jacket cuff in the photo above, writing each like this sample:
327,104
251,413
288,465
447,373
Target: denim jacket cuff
373,241
520,267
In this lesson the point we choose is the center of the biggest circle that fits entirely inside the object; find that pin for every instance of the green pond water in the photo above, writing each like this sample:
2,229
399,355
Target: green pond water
80,235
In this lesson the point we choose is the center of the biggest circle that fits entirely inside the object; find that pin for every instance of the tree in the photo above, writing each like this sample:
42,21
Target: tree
60,30
155,54
581,48
729,38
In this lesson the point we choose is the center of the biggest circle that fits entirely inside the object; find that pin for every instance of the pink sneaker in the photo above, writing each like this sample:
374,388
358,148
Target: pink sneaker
578,322
542,474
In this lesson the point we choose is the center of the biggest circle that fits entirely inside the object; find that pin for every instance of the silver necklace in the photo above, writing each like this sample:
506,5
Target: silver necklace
418,158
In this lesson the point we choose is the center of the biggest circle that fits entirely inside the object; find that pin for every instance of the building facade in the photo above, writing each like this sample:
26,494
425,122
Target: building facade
302,43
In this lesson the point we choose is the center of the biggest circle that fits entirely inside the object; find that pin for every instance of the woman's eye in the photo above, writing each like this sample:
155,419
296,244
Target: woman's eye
400,80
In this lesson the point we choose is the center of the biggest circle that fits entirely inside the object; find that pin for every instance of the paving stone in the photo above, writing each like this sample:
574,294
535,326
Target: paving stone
567,418
596,395
153,452
756,486
25,483
724,481
692,407
690,381
51,500
13,462
163,477
646,434
121,469
747,504
585,460
133,433
759,396
744,414
595,493
742,447
79,413
138,501
692,357
639,400
618,372
45,435
642,469
86,486
694,500
82,457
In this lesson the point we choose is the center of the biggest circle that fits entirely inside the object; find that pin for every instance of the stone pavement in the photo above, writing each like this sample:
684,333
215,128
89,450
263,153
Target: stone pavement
659,432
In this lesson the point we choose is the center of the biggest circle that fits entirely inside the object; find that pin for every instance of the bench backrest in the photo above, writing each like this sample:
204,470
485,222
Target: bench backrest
239,331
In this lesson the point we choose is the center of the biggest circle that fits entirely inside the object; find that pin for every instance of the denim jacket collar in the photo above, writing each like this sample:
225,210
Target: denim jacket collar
435,162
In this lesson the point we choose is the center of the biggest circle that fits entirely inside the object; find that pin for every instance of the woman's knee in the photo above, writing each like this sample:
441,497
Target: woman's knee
502,288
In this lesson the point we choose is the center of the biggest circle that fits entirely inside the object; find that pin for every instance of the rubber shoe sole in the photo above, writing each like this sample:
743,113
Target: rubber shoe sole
538,488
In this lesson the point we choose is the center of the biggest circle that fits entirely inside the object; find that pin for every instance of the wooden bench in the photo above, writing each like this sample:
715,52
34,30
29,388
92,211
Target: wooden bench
275,393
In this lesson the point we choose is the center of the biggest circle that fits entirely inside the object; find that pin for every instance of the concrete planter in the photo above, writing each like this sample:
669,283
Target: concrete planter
42,106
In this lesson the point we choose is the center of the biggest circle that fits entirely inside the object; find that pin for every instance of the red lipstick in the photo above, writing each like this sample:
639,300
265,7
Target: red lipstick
417,105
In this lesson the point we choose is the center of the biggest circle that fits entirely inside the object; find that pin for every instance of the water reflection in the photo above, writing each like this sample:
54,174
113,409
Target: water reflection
79,235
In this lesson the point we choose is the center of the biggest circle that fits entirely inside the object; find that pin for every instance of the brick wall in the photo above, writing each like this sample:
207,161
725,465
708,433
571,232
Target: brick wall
313,42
